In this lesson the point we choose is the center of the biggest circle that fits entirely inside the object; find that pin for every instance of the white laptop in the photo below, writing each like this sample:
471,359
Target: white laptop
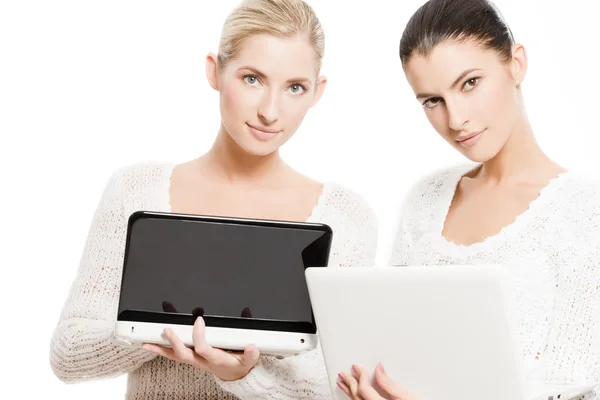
244,277
442,332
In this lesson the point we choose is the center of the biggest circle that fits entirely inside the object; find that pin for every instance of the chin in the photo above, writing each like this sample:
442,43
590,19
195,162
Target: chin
257,147
260,150
479,155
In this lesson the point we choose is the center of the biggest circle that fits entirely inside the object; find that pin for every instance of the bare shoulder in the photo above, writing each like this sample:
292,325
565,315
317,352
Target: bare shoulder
332,197
308,190
185,172
298,180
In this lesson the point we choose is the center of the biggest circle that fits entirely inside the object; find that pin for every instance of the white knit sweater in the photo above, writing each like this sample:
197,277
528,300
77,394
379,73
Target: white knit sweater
82,347
552,252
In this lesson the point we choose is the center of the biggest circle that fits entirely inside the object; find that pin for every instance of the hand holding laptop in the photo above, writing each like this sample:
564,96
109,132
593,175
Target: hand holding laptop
178,268
227,366
357,385
456,339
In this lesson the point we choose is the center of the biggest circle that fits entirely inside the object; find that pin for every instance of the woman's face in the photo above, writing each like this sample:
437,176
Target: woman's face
266,90
470,97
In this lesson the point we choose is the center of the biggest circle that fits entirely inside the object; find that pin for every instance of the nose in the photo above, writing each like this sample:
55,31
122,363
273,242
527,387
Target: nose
268,110
457,115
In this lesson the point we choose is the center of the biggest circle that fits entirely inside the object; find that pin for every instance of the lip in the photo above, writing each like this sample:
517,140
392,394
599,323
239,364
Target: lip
262,134
470,139
265,130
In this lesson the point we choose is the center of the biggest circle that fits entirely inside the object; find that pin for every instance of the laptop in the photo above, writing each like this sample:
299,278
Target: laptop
442,332
245,277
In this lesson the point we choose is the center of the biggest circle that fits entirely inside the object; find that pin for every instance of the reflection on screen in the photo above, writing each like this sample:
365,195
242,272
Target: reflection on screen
218,269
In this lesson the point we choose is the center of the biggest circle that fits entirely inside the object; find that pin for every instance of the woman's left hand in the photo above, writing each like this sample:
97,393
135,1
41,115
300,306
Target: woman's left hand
357,386
227,366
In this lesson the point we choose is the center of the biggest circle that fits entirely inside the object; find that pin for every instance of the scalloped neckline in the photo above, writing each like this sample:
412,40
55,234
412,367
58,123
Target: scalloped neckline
315,213
520,220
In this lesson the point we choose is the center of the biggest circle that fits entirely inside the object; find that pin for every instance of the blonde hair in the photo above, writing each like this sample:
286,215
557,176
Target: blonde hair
280,18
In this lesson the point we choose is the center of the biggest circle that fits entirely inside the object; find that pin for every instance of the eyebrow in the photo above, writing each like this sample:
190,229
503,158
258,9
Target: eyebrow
456,82
255,71
303,80
262,75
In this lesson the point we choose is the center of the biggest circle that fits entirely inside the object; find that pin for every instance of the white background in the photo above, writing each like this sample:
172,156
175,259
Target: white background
86,87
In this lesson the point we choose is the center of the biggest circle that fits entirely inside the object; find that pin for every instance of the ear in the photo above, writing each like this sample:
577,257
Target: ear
518,65
321,83
212,70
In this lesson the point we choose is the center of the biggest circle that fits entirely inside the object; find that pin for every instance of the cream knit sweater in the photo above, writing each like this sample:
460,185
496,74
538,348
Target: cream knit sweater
82,347
552,252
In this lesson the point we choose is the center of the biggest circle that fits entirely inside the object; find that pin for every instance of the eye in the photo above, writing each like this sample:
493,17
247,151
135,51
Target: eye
470,84
297,89
251,80
432,102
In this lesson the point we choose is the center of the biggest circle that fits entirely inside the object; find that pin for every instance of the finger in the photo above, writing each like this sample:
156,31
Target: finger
365,389
182,353
168,307
160,350
356,372
344,388
395,390
203,349
250,356
246,313
198,312
352,384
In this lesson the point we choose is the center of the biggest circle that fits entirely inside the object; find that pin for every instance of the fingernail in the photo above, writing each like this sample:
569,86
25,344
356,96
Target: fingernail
380,368
341,376
354,368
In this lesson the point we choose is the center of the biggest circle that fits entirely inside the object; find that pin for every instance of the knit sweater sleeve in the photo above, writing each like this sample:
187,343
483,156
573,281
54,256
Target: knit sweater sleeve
574,346
304,376
82,345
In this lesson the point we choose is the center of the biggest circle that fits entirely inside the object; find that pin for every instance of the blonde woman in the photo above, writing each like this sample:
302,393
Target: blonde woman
267,73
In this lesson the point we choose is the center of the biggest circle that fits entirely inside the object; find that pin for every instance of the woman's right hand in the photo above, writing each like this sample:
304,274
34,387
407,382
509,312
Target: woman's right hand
227,366
358,387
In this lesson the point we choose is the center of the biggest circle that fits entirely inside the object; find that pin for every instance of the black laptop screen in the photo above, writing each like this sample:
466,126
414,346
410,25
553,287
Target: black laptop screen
234,273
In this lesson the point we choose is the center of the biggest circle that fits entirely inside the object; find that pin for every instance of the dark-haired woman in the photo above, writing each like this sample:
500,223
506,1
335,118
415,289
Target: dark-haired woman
511,205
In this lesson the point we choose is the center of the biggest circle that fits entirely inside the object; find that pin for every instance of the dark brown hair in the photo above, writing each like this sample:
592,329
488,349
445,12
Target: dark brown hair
440,20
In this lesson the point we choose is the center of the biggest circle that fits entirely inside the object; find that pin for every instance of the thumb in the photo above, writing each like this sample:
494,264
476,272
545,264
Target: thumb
396,391
250,356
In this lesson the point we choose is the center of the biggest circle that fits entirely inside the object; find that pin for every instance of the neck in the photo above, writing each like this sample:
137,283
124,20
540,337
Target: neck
230,162
521,159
